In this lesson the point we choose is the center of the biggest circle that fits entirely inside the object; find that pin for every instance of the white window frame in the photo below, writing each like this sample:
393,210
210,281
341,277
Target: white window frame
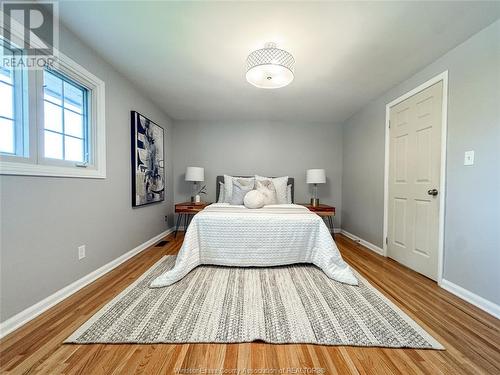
88,138
35,164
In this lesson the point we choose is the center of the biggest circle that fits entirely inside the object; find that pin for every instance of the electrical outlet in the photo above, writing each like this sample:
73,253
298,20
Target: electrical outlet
81,252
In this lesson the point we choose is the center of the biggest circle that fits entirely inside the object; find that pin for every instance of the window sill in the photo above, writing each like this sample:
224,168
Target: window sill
25,169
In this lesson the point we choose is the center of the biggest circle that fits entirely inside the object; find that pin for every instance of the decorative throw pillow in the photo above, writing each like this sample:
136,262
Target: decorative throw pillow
289,194
266,187
241,186
221,193
280,186
254,199
228,186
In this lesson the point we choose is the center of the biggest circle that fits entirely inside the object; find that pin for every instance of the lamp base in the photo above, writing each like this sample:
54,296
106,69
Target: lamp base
196,199
314,202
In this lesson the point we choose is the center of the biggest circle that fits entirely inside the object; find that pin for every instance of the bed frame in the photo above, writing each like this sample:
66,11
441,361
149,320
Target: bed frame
291,181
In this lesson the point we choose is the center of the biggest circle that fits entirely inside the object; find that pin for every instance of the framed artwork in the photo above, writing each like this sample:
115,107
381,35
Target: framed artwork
148,164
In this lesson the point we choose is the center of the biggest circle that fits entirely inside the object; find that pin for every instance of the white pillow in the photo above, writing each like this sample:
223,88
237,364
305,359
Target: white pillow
254,199
241,186
228,186
280,185
266,187
289,194
221,193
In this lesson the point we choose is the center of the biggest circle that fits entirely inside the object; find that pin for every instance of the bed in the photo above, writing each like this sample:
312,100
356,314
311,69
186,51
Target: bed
274,235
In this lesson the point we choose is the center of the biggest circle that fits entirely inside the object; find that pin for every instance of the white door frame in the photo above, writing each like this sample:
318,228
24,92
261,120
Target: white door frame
444,126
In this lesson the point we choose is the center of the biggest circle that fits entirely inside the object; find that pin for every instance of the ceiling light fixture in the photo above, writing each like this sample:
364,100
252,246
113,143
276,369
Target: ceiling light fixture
270,67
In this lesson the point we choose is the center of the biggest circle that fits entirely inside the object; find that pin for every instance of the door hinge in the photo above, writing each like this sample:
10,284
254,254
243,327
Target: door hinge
387,241
389,124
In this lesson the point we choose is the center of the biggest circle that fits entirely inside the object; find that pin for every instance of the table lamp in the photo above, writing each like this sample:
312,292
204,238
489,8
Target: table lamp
315,176
195,174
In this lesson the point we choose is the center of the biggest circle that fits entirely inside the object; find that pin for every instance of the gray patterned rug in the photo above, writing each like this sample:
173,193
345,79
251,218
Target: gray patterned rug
292,304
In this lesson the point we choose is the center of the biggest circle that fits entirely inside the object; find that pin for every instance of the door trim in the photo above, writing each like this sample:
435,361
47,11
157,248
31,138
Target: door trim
442,193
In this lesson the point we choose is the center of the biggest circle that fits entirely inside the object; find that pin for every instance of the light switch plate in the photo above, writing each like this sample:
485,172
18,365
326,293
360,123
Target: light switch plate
81,252
469,158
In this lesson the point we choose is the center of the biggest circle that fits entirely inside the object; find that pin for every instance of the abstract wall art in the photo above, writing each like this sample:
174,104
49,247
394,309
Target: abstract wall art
148,164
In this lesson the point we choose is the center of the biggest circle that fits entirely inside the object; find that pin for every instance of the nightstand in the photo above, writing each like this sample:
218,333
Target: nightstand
325,211
187,210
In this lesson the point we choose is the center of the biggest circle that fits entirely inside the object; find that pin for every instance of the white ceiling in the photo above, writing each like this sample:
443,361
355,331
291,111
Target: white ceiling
189,57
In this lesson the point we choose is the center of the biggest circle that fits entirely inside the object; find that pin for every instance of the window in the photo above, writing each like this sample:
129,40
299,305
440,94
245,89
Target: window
52,121
65,119
12,130
7,123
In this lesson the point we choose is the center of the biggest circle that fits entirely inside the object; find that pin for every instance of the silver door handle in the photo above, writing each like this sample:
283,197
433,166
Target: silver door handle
432,192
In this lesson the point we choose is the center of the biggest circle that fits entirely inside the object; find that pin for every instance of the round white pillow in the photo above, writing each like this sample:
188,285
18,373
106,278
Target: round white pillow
254,199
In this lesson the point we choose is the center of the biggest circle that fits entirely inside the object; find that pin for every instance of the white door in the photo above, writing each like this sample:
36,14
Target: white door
414,176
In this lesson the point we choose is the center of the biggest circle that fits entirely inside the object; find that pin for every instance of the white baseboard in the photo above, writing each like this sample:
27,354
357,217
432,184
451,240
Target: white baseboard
478,301
366,244
32,312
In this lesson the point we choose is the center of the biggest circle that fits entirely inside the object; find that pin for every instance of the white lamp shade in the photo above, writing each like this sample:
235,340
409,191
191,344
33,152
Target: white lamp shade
195,174
315,176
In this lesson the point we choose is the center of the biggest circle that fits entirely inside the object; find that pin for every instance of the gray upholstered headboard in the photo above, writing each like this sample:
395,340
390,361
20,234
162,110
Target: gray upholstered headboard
291,181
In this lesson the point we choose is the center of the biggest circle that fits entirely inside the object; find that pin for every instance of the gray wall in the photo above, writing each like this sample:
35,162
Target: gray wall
45,219
266,148
472,222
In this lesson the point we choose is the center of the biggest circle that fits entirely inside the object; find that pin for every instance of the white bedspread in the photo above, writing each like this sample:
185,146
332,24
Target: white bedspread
275,235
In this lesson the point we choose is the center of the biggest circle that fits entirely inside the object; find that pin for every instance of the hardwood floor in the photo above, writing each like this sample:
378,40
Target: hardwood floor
470,336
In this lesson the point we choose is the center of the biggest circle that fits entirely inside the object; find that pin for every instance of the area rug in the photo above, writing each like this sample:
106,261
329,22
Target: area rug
291,304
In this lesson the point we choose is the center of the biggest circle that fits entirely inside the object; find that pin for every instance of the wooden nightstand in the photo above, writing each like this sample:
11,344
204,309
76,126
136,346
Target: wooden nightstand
325,211
188,210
